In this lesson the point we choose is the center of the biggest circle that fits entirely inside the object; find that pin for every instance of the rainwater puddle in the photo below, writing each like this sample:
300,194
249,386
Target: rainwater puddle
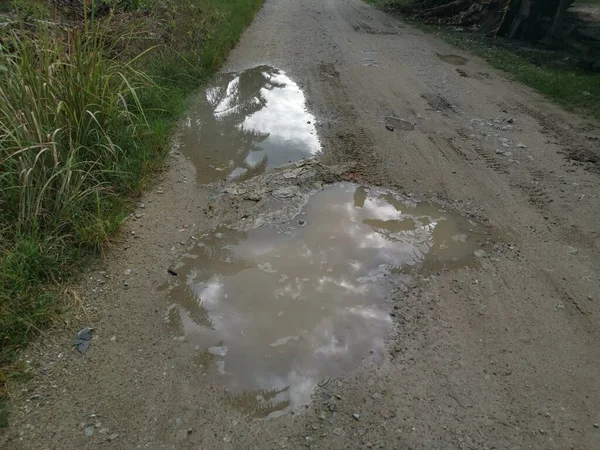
244,123
453,59
270,313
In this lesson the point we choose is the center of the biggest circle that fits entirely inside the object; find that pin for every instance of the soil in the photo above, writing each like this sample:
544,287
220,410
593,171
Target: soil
502,354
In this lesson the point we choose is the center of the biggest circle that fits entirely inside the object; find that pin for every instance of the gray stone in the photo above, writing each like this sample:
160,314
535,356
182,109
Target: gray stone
85,334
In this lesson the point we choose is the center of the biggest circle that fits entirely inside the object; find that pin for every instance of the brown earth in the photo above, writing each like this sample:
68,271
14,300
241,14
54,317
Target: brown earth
503,356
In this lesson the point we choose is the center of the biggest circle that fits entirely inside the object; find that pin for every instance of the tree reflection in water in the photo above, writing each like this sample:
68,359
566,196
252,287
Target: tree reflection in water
245,123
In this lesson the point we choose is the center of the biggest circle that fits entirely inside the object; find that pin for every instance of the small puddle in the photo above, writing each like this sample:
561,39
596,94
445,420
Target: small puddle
268,314
453,59
244,123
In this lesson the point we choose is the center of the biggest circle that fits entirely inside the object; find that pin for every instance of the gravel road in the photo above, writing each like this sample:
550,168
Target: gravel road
501,356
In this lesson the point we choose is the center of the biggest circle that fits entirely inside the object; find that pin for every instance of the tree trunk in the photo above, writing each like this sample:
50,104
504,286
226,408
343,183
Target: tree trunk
559,15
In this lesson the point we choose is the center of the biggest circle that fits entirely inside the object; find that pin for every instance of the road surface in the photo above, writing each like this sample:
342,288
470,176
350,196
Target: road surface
504,355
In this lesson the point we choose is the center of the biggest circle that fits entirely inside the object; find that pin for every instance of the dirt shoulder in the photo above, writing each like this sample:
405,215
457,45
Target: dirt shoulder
502,356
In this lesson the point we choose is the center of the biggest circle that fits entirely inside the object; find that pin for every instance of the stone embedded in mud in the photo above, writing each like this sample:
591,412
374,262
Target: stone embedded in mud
281,307
393,123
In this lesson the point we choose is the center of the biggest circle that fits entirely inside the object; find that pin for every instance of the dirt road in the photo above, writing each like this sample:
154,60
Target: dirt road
502,354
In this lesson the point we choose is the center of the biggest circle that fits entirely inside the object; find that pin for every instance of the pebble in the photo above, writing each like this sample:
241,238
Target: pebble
112,437
520,145
88,430
356,416
85,333
389,128
597,425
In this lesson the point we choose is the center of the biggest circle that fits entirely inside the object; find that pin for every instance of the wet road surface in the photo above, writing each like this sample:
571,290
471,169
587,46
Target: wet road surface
498,354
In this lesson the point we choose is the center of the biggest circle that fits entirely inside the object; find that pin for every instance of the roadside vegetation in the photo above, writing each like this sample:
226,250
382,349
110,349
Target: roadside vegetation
555,71
90,92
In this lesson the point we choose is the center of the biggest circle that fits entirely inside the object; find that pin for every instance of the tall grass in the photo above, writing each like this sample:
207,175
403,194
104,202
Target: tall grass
86,113
69,123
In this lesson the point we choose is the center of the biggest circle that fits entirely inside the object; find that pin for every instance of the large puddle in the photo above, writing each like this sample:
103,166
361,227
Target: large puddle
244,123
270,313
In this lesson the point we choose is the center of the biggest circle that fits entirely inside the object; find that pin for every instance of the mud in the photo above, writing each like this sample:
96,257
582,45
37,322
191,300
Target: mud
398,124
453,59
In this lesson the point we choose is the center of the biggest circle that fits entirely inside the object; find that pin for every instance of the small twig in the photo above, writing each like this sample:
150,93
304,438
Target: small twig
324,382
79,302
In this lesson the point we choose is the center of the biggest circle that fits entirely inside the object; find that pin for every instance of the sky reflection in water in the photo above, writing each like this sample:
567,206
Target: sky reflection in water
275,310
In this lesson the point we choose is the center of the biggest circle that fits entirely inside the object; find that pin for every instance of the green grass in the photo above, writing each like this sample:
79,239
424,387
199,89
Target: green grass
87,110
552,73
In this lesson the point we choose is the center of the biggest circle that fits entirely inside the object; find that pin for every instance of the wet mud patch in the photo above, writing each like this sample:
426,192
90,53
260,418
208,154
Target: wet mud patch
345,137
395,123
437,102
270,312
574,149
244,123
453,59
362,27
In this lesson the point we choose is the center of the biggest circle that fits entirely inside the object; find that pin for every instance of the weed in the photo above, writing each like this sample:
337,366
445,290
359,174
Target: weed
87,110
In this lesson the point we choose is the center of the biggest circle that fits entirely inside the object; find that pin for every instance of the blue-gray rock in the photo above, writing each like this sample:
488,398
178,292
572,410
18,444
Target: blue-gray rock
85,334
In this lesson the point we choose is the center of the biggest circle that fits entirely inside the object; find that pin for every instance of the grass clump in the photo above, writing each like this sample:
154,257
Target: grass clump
70,150
87,108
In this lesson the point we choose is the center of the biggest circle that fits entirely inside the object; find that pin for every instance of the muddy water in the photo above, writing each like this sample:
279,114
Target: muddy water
246,122
453,59
270,313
